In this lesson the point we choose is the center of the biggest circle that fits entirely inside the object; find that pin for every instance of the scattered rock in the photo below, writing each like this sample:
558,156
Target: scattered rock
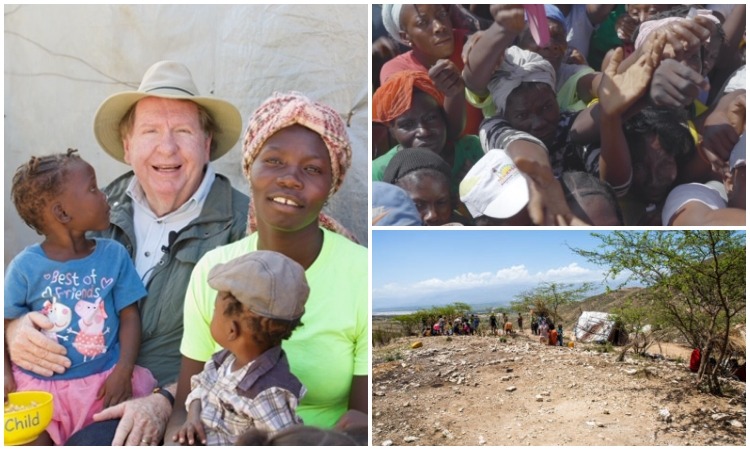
387,443
665,415
539,398
411,439
510,388
482,441
736,423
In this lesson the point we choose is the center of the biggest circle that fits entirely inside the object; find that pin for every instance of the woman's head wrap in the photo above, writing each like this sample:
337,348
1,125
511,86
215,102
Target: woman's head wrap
394,97
411,159
283,110
519,66
392,21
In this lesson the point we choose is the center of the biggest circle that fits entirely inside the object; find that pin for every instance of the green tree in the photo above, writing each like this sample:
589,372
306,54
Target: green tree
697,280
640,321
547,297
528,300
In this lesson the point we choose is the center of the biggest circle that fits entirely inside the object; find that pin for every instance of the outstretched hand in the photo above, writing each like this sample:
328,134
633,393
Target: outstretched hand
619,91
447,78
547,205
686,35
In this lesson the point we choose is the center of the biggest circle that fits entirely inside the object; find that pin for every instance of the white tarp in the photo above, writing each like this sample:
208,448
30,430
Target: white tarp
594,326
61,61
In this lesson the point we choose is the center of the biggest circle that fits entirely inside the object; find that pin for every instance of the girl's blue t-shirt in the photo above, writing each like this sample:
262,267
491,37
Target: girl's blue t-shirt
82,298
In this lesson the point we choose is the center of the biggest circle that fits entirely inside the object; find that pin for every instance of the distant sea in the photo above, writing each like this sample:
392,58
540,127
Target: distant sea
477,308
392,313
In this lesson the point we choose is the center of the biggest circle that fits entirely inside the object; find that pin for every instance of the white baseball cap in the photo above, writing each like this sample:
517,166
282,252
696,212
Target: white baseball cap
494,187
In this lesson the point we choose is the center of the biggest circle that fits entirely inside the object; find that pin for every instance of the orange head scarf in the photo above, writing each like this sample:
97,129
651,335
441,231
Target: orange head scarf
394,97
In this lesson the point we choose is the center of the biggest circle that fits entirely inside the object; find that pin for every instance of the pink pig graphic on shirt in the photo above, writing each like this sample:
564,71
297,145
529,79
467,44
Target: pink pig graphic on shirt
90,340
60,316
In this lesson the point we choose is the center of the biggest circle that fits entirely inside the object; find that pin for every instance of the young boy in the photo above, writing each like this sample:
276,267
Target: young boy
260,300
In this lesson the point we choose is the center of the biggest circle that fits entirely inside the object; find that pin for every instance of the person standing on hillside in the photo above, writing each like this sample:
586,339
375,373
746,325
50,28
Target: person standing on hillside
493,323
543,331
520,323
552,336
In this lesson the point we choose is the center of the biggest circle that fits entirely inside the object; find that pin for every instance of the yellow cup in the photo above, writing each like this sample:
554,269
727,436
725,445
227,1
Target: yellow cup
27,414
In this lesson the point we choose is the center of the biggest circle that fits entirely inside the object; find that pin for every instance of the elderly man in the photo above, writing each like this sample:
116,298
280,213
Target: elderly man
168,211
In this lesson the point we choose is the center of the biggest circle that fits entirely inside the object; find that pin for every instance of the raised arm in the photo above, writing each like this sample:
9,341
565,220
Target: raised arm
447,79
598,13
487,53
617,94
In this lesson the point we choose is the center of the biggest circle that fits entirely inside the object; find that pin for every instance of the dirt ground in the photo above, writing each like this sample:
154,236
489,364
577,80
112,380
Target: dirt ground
473,390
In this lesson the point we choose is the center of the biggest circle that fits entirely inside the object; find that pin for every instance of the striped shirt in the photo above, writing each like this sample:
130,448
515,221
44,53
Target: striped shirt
564,154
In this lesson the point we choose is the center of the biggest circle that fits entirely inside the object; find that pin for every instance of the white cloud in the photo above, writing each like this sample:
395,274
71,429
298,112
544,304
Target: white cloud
519,274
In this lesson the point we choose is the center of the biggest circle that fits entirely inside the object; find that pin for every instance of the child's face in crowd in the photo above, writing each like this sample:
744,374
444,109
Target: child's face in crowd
642,13
429,30
711,53
555,51
430,194
423,125
533,109
291,179
654,175
83,202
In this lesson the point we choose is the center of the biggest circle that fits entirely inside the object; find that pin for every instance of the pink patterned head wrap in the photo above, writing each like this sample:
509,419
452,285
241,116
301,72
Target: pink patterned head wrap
282,110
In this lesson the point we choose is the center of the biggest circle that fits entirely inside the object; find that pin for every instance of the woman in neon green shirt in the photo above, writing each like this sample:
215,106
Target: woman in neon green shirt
296,154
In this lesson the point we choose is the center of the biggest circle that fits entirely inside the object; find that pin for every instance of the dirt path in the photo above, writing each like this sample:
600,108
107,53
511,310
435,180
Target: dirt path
479,391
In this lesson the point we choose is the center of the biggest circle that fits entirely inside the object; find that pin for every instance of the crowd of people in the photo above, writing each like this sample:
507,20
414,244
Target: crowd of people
543,327
499,324
563,114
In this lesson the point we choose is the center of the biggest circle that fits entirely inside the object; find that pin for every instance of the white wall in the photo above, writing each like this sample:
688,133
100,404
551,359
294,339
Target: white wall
62,61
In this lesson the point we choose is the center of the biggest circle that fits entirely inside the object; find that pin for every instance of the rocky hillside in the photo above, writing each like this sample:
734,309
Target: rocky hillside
482,390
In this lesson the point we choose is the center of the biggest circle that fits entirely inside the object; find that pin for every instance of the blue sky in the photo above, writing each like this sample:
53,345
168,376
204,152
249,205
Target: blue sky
422,268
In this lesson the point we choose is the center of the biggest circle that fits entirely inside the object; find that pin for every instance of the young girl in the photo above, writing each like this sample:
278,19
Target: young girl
88,288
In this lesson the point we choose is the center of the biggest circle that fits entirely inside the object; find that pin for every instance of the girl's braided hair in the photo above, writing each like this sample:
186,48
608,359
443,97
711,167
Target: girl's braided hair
38,181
